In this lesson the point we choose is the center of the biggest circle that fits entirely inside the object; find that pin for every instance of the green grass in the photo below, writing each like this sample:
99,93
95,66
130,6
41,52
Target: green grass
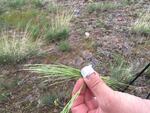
128,2
15,3
142,24
61,74
14,48
100,23
148,72
46,100
59,26
20,4
54,8
4,97
101,6
120,70
52,26
37,3
68,106
64,46
16,18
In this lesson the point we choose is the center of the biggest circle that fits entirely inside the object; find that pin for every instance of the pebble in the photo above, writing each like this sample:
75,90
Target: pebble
87,34
78,61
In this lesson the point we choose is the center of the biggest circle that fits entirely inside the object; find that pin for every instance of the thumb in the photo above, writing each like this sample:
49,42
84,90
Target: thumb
105,95
97,85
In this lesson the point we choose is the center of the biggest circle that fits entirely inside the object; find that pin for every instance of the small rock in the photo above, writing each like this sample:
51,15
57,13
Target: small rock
30,98
87,34
78,61
77,12
87,55
120,18
55,110
5,72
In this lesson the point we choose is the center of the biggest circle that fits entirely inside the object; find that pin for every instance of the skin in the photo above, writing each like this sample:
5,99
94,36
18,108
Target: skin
97,97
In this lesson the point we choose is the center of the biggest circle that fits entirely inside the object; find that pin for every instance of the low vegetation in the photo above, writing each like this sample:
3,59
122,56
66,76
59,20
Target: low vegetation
101,6
59,27
64,46
142,24
46,100
21,4
53,24
28,28
64,73
128,2
14,49
19,19
120,70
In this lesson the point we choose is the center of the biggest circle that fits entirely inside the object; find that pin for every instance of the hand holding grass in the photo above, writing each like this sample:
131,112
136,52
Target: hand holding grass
97,97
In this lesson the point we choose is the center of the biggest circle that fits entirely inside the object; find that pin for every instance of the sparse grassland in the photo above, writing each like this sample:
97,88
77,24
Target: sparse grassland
14,49
21,4
101,6
29,28
19,19
142,24
53,23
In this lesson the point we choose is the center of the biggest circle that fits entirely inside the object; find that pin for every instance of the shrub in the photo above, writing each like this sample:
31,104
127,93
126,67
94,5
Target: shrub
142,25
15,48
64,46
101,6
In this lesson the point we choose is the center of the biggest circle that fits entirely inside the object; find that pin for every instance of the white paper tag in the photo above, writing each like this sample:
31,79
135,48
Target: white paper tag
87,70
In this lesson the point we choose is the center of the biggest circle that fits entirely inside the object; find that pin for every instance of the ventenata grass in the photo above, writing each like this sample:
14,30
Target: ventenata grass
63,73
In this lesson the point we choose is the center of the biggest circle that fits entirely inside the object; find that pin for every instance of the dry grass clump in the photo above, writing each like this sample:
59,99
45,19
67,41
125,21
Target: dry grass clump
120,70
59,25
142,25
14,48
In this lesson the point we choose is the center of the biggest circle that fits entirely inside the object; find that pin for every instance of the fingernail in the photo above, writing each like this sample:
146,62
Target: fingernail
87,71
91,76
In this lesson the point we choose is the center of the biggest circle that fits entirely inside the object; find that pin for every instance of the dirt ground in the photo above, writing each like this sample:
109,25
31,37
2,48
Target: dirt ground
26,93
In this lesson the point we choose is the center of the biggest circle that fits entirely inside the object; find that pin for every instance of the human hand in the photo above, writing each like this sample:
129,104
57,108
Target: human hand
97,97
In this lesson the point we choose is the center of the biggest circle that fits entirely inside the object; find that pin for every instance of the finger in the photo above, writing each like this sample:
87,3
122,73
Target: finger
80,99
96,111
97,85
90,100
82,108
100,90
79,84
